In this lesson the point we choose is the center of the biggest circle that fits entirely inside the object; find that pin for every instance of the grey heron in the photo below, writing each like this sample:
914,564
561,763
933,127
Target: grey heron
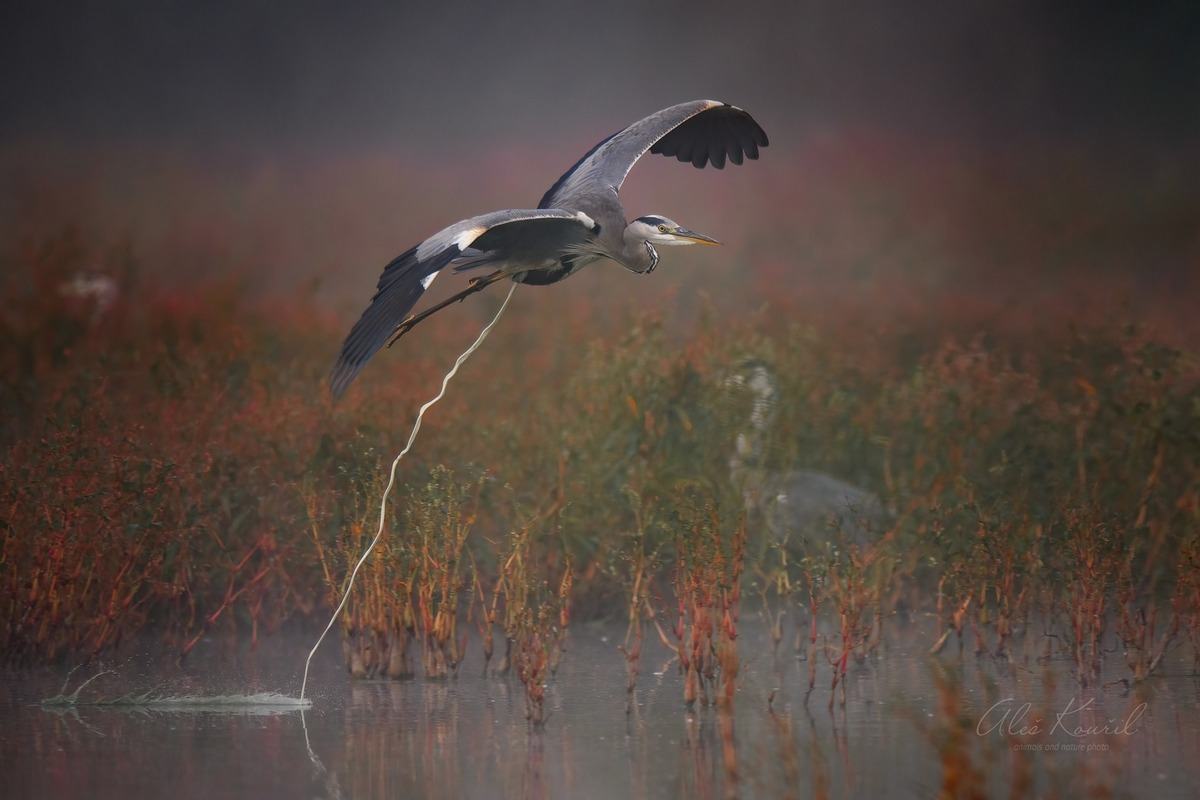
579,220
798,502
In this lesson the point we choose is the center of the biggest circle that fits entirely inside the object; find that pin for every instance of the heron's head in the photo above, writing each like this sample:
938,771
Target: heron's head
662,231
756,377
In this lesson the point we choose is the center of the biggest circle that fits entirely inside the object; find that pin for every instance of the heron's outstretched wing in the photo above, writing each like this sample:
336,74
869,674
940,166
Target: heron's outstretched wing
699,132
405,279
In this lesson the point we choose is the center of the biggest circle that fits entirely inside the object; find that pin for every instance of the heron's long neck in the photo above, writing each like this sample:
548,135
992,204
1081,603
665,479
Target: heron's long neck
637,254
750,446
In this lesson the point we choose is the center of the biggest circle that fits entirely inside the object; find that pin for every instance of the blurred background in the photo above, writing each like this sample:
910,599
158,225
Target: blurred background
970,257
1029,160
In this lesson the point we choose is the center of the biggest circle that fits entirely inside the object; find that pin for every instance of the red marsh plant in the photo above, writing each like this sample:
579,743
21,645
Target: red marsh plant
707,584
378,623
852,584
440,520
533,609
707,577
641,567
411,589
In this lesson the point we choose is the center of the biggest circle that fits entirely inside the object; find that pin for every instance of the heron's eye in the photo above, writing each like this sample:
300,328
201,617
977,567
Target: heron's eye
662,228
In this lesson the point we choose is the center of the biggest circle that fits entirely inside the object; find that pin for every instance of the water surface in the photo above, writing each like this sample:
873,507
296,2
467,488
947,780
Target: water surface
909,724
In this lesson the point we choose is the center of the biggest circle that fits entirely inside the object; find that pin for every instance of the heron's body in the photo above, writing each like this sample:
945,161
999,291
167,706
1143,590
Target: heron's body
580,220
607,237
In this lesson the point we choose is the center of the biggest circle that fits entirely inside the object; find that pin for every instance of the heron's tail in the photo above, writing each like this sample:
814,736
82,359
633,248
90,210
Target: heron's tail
473,259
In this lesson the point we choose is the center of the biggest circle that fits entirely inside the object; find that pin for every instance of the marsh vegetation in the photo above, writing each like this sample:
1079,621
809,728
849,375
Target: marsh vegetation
1028,494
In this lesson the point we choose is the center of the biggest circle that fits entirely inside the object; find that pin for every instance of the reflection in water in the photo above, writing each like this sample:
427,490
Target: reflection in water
910,727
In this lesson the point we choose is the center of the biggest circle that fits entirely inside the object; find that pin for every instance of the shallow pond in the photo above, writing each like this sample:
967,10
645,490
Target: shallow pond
911,725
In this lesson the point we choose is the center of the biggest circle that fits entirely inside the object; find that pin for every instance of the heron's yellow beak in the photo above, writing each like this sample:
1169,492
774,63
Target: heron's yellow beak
698,238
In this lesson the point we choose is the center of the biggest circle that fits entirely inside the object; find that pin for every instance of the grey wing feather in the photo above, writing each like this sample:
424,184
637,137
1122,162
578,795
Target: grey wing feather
406,278
699,132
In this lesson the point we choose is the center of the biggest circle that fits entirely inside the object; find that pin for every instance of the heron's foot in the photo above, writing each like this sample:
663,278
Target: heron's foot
403,328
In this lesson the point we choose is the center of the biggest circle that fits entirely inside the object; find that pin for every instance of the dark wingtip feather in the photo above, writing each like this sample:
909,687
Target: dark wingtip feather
714,136
683,148
340,378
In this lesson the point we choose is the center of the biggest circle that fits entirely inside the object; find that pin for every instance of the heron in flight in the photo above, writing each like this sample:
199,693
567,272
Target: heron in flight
579,220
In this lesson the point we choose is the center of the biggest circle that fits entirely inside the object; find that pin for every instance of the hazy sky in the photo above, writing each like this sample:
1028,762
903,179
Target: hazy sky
289,74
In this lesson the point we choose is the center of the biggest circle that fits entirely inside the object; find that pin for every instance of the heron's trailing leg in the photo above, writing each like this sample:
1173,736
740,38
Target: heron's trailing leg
476,285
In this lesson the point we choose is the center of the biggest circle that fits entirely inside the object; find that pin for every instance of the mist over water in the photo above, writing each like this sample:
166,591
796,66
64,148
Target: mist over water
468,737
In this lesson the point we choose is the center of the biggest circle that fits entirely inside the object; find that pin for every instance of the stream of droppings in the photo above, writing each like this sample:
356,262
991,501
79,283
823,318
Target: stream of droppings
910,723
